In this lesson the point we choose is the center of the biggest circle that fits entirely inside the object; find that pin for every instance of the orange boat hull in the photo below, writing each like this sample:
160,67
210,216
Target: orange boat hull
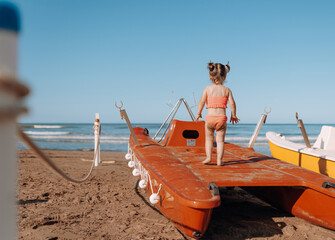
185,199
305,203
183,182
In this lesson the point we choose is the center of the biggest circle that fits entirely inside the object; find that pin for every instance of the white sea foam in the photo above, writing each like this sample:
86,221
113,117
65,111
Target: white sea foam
64,136
116,136
60,137
116,141
243,139
239,139
46,133
48,126
83,141
53,136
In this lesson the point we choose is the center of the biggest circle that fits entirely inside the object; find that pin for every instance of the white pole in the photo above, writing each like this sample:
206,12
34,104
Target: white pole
97,132
9,28
256,131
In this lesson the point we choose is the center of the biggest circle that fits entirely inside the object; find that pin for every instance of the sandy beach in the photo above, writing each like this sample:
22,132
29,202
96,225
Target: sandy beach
111,206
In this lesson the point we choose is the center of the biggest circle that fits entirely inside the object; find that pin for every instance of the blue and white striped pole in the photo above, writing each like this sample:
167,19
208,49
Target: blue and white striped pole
9,29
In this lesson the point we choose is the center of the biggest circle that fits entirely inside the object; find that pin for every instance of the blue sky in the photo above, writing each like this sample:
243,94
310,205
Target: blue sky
80,56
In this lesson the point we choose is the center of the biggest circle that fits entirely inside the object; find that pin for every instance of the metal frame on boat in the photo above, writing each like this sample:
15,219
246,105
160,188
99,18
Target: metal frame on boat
172,114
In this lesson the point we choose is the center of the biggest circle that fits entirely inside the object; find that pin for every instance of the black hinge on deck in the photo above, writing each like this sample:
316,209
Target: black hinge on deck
214,187
328,185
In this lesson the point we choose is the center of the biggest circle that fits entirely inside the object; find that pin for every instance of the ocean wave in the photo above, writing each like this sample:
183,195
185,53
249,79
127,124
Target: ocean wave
264,139
81,141
63,136
76,137
116,141
240,139
33,136
46,133
48,126
245,144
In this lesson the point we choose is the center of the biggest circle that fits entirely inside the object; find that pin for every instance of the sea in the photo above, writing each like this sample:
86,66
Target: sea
115,136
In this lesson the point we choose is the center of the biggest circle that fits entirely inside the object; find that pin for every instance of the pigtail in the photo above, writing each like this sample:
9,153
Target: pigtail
227,67
217,71
212,69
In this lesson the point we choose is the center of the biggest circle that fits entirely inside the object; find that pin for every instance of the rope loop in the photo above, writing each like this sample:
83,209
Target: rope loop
49,162
139,170
11,85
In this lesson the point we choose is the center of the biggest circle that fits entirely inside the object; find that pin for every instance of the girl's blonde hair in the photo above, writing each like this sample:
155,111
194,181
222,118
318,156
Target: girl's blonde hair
218,72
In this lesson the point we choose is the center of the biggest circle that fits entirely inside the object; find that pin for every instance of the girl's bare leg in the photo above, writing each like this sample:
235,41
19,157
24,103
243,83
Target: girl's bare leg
209,132
220,136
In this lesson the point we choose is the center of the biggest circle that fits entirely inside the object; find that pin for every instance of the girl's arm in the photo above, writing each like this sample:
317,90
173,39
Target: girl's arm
233,118
201,104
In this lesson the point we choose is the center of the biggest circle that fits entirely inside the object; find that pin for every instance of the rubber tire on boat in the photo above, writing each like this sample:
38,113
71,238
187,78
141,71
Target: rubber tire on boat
328,185
214,187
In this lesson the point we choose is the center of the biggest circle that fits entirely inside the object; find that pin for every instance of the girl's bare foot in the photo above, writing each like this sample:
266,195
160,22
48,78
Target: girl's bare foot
206,161
219,163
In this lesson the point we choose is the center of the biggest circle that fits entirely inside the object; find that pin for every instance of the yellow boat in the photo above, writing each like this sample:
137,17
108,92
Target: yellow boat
319,158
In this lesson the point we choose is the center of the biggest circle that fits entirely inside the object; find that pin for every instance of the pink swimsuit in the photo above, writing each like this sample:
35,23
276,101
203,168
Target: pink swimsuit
217,121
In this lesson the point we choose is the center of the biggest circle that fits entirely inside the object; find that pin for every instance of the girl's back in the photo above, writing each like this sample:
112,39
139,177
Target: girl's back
216,106
217,91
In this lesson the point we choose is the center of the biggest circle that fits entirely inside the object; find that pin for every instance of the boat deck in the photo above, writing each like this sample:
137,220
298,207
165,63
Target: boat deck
176,164
296,190
244,167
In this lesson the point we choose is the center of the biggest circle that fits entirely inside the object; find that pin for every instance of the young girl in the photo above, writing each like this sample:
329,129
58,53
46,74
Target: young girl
216,96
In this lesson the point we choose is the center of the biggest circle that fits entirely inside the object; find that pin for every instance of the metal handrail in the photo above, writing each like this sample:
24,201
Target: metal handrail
173,113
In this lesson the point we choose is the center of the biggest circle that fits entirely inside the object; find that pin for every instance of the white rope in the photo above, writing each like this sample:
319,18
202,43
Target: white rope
129,156
12,86
139,170
159,189
136,171
152,191
49,162
144,174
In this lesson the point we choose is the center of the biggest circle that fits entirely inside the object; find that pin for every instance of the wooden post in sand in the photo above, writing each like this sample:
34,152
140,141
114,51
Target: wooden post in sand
9,28
303,131
97,132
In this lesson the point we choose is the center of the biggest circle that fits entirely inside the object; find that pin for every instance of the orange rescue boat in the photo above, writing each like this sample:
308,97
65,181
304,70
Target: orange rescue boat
186,191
